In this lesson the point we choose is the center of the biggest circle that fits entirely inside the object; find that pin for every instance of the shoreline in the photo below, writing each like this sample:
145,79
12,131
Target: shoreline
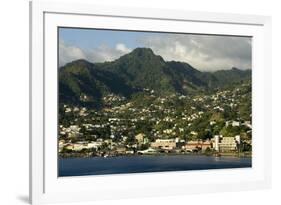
223,154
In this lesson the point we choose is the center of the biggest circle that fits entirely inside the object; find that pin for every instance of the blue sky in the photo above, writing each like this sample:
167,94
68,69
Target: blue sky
204,52
91,38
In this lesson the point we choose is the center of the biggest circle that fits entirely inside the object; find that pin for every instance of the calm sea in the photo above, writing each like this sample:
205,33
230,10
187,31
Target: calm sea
139,164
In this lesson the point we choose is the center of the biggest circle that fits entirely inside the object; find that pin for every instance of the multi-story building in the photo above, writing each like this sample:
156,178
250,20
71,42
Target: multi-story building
198,145
167,144
227,144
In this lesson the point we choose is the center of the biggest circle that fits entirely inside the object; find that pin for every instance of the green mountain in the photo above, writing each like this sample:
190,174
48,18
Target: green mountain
85,83
142,69
231,76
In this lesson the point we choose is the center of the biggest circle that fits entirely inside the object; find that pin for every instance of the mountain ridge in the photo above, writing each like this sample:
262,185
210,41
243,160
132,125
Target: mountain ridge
135,71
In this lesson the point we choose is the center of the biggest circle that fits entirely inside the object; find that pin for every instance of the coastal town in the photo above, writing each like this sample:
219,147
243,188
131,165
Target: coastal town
215,123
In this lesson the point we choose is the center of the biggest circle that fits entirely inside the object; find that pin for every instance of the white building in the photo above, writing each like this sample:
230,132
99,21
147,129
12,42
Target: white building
216,142
237,139
235,124
167,144
227,144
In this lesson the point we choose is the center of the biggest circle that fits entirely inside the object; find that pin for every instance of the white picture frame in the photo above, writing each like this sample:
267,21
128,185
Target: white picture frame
46,187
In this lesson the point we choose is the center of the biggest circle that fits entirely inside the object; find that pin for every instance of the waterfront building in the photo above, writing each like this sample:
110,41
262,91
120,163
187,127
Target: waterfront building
237,139
206,144
216,142
227,144
167,144
121,149
198,145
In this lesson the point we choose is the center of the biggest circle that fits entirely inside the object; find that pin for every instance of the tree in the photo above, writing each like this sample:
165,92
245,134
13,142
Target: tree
204,135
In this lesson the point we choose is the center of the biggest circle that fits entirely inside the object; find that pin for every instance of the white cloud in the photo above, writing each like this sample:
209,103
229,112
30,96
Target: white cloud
122,48
204,52
68,53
